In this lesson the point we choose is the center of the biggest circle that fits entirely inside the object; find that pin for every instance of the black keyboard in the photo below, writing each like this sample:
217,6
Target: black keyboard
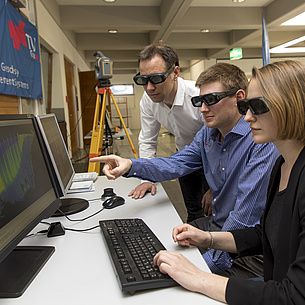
132,245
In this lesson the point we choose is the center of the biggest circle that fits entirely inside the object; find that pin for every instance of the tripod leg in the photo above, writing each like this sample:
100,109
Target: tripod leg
124,126
97,133
102,124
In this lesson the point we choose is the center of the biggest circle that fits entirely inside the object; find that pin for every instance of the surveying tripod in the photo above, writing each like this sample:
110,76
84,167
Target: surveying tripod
99,121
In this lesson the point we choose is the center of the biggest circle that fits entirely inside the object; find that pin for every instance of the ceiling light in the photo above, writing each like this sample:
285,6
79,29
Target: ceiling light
112,31
284,48
109,1
204,30
238,1
297,20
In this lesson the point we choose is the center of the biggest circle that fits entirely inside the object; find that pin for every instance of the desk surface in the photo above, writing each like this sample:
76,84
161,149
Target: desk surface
80,271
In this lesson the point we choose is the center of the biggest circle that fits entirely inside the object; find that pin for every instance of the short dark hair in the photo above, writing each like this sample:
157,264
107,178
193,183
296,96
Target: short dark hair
167,52
228,75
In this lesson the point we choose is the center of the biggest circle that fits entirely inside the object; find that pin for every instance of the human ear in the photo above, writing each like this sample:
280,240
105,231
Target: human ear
240,94
176,73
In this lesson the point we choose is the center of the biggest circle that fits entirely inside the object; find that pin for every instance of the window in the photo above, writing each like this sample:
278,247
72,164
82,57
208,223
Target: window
123,89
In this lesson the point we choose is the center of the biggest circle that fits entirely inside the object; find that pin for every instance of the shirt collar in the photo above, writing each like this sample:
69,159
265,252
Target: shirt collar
242,128
178,101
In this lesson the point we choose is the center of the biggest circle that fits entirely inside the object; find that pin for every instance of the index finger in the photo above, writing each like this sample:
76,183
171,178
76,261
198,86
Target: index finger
103,159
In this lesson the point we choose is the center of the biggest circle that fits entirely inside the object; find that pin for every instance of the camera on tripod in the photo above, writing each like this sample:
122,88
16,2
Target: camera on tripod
103,68
103,73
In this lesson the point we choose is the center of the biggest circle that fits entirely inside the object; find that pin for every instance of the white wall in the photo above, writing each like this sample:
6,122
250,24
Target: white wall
196,68
133,101
247,64
55,40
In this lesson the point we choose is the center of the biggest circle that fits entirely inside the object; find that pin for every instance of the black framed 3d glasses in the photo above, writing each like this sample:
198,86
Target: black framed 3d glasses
211,98
155,79
256,105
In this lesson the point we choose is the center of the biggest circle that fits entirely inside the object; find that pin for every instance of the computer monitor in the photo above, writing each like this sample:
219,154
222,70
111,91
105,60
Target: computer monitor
61,163
27,196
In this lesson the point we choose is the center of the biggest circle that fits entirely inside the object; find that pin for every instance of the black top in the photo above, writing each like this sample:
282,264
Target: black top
272,220
284,266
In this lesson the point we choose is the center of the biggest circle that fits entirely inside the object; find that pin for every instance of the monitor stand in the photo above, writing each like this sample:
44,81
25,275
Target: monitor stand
20,267
71,206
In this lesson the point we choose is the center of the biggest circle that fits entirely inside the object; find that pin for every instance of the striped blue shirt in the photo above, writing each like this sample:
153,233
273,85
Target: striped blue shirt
237,171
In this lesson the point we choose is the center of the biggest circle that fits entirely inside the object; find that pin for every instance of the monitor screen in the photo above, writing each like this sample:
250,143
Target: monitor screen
57,150
27,193
61,164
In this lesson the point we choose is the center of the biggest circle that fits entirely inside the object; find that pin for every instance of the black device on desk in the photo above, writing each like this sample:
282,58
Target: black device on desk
132,245
27,196
113,202
61,164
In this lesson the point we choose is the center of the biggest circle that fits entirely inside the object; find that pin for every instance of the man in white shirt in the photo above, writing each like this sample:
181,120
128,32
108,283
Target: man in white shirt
167,101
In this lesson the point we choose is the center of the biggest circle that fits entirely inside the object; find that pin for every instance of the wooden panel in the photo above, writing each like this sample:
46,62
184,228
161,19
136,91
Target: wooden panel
88,98
9,104
71,105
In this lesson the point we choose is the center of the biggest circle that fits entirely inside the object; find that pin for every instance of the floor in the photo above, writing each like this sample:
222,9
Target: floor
166,147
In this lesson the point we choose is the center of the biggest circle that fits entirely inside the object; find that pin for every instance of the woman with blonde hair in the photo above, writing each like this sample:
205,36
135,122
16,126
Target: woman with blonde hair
275,110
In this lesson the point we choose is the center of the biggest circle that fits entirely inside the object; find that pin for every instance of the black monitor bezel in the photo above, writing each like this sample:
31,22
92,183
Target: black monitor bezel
53,206
61,188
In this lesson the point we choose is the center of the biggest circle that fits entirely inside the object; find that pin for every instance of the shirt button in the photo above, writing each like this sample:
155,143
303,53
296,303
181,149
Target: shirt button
214,215
224,149
134,173
214,199
223,169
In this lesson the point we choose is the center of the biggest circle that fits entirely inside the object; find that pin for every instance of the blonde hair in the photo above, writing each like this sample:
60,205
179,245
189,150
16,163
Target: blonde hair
283,87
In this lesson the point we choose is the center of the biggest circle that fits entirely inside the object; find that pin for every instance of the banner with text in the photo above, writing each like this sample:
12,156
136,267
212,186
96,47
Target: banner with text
20,72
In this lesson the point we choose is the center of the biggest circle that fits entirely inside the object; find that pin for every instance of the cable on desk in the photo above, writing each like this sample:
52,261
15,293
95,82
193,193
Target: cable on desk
40,232
45,223
83,218
82,230
64,228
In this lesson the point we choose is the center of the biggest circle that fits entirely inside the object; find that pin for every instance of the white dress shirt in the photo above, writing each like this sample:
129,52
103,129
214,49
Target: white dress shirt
183,120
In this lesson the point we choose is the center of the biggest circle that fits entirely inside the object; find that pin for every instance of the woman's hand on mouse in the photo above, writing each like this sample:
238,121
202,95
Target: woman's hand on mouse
115,166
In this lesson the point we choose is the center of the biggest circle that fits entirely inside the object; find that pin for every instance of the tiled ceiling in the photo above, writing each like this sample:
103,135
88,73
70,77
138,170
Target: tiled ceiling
176,22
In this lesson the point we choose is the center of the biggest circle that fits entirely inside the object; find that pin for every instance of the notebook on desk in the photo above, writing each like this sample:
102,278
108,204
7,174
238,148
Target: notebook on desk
85,176
82,182
81,186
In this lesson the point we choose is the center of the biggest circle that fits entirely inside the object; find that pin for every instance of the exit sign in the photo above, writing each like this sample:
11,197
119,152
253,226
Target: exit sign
236,53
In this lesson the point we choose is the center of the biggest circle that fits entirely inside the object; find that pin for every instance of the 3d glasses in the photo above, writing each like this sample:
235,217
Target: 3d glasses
256,105
155,79
211,98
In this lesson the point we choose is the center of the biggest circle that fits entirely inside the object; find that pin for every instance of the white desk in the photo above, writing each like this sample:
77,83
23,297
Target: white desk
80,271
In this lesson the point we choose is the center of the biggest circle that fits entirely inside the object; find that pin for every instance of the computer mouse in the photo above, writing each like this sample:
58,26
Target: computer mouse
113,202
